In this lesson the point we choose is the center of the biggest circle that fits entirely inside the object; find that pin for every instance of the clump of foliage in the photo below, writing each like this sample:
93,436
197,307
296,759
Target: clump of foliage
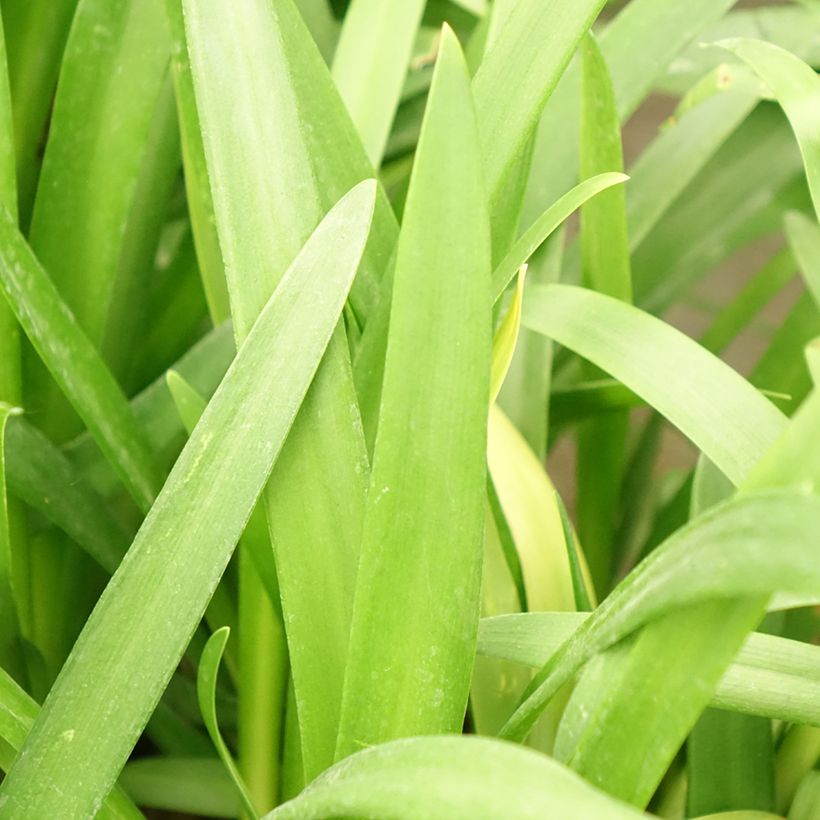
292,317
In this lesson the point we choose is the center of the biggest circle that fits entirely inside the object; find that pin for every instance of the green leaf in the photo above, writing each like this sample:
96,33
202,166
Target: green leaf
11,657
708,401
189,403
139,628
75,364
546,224
579,587
725,553
322,471
673,159
506,337
450,777
370,64
416,606
757,292
297,135
197,186
663,29
771,677
803,235
728,764
36,33
206,695
605,268
530,55
195,785
797,88
18,711
39,474
528,500
737,197
87,225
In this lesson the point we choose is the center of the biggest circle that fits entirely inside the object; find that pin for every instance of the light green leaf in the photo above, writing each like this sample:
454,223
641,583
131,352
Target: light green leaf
246,58
36,33
723,554
189,403
530,55
797,87
771,676
206,694
506,337
139,628
191,785
297,136
39,474
450,777
546,224
18,711
370,64
88,227
75,364
528,499
663,29
416,606
803,235
197,186
605,268
708,401
11,656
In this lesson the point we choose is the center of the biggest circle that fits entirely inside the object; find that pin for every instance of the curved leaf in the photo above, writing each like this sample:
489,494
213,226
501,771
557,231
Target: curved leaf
451,777
725,553
206,695
708,401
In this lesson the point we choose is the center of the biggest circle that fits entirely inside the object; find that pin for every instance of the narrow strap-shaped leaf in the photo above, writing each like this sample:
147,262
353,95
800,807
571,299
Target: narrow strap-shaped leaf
197,185
708,401
450,777
579,587
771,676
40,474
530,55
370,64
86,184
606,269
11,657
317,489
206,694
663,30
797,88
528,500
36,33
803,235
85,227
546,224
417,601
139,629
507,543
506,338
297,135
203,366
18,711
75,364
723,554
189,785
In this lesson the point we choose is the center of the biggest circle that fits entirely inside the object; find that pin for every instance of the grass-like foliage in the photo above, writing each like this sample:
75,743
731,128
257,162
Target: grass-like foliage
305,304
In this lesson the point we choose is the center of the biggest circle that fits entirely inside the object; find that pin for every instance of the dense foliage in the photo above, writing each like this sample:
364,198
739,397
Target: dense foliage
296,312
